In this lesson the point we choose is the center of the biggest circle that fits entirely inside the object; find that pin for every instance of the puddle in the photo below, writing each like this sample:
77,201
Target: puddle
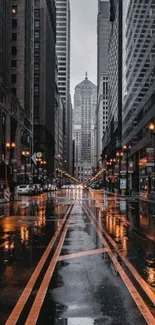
85,321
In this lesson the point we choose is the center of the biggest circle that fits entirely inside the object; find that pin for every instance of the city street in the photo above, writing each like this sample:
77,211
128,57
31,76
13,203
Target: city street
77,257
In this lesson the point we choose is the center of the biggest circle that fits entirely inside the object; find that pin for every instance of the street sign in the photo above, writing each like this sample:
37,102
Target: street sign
123,184
34,158
39,154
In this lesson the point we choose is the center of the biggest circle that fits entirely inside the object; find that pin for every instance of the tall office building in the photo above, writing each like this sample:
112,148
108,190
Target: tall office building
45,95
5,71
63,55
84,124
139,85
102,73
16,84
114,128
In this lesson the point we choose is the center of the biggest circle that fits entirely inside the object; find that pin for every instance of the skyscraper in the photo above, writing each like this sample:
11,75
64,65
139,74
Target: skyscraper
22,74
115,77
45,96
84,123
139,85
5,72
63,56
16,84
102,72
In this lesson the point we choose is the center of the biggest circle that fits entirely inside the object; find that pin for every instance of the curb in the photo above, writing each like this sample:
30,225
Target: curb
131,197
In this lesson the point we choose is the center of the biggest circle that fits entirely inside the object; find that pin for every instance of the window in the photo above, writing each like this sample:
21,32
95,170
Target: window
36,34
36,2
14,10
14,91
14,50
13,78
14,36
13,63
36,67
36,23
36,12
36,89
36,45
14,23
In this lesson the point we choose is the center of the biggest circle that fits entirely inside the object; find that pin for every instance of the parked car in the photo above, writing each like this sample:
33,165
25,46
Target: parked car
39,188
53,187
45,188
64,186
23,189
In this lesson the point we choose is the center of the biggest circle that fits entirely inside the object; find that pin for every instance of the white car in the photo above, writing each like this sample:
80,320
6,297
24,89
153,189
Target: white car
64,186
53,187
23,189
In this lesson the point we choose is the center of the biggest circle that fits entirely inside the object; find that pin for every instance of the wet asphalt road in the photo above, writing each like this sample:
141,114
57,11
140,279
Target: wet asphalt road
85,289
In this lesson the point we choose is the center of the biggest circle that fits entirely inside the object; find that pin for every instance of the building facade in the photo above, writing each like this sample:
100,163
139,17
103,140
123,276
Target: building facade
16,84
139,87
102,73
63,56
84,128
114,127
45,93
22,73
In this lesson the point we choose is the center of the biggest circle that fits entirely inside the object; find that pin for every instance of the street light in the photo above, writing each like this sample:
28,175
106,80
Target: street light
25,154
127,150
119,155
43,163
39,161
10,146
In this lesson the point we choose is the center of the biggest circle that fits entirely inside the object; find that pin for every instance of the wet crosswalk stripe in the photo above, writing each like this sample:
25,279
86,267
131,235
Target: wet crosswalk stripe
80,254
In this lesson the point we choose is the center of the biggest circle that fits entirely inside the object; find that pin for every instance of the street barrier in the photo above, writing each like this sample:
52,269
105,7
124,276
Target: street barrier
7,194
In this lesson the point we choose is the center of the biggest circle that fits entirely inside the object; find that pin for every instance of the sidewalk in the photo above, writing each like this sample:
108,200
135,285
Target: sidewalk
139,196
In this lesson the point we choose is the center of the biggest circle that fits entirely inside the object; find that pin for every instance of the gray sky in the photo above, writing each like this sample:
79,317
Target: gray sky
83,41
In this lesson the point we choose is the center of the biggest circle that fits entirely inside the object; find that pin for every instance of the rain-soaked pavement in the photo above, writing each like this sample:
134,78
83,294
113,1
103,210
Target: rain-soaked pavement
94,264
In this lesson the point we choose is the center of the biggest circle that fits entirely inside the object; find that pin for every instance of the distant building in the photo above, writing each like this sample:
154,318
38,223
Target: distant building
63,55
45,93
84,128
102,74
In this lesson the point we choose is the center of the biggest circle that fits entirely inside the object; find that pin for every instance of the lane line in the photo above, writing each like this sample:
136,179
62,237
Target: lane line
39,299
133,291
81,254
136,275
15,314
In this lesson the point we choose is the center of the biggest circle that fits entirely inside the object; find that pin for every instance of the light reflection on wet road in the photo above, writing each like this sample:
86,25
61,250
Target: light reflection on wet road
132,226
29,225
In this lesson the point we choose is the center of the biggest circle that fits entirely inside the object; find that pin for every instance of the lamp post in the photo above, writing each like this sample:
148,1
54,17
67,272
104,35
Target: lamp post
43,163
38,160
119,155
25,154
112,161
152,131
10,146
127,150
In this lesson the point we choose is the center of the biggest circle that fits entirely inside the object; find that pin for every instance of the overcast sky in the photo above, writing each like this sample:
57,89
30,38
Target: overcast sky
83,41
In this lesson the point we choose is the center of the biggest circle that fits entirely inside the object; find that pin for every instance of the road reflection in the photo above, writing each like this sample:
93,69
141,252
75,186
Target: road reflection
131,224
26,230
